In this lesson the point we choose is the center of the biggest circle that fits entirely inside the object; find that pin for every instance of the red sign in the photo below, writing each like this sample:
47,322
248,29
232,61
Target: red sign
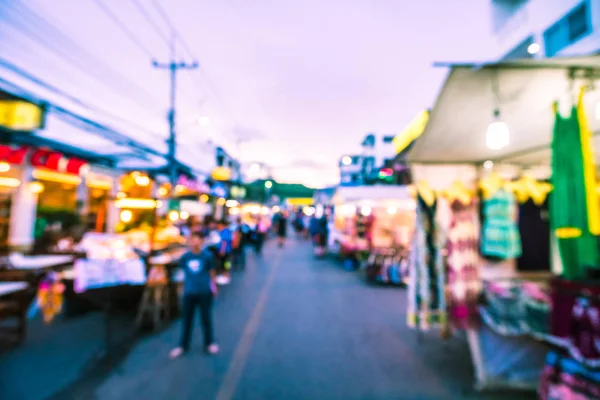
41,158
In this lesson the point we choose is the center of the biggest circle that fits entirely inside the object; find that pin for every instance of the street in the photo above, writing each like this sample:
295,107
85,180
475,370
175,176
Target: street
294,327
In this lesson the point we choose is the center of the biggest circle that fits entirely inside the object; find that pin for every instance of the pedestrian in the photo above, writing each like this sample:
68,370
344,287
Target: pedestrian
281,229
224,252
199,289
238,255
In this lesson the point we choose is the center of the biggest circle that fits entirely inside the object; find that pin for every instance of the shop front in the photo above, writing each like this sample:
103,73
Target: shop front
47,191
506,206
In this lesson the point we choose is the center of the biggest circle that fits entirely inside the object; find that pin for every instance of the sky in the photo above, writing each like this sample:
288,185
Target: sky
293,84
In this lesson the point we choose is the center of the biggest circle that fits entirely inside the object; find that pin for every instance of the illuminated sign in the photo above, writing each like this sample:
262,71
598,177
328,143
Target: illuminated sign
414,129
221,174
21,115
193,185
40,158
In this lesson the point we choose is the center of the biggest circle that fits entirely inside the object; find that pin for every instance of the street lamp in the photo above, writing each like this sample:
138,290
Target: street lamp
268,184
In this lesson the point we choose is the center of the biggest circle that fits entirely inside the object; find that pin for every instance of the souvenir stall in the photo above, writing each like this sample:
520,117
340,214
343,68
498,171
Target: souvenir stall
505,245
372,225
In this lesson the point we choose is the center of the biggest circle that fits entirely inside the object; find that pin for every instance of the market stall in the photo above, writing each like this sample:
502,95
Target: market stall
486,181
373,224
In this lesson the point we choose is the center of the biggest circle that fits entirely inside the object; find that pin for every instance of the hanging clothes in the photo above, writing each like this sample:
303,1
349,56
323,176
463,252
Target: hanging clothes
534,229
501,238
574,202
464,283
426,302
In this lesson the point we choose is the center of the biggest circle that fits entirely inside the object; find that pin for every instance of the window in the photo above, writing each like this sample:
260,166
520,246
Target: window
579,22
568,30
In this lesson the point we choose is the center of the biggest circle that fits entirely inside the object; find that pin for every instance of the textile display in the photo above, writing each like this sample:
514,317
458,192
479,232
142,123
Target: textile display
534,229
576,318
387,268
426,298
501,236
566,379
572,166
464,282
516,308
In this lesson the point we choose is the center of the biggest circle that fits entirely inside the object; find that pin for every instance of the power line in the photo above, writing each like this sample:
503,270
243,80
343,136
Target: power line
30,19
128,32
191,54
151,21
19,71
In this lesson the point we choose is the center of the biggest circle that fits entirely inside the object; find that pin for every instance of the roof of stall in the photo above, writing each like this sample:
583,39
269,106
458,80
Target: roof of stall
376,192
526,91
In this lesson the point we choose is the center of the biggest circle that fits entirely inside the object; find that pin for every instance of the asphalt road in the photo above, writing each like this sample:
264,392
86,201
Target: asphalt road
292,327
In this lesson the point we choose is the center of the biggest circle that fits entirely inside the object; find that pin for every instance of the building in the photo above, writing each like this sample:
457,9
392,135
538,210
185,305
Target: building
545,28
364,168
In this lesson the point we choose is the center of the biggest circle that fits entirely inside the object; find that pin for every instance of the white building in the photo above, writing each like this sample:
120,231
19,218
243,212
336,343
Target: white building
545,28
362,168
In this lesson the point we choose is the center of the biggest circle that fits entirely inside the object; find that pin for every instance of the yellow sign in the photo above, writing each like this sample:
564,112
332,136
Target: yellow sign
414,129
21,115
221,174
300,201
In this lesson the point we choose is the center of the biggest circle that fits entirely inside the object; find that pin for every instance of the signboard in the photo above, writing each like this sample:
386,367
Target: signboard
218,190
221,174
21,115
193,185
103,273
42,158
238,192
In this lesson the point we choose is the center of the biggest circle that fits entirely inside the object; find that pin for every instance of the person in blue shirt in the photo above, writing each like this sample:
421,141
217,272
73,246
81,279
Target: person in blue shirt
199,289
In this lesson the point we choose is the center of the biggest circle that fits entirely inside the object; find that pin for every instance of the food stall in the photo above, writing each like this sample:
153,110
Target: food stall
373,224
473,199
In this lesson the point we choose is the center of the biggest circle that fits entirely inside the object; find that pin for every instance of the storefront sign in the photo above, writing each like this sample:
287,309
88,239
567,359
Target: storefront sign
414,129
218,190
238,192
21,115
221,174
193,185
40,158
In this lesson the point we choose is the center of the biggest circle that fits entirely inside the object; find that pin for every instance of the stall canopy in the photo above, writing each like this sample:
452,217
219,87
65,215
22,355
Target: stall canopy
523,91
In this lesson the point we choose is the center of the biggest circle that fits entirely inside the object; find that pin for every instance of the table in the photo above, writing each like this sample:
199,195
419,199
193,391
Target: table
7,288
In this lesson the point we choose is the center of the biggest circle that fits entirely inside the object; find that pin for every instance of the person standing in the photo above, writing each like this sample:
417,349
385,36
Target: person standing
199,289
281,229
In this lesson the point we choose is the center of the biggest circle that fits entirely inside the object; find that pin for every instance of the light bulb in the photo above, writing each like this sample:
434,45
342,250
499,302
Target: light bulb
533,48
489,164
497,136
346,160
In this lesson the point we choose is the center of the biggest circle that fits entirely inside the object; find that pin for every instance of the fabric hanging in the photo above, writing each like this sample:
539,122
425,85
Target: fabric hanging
426,302
464,283
501,238
534,229
574,197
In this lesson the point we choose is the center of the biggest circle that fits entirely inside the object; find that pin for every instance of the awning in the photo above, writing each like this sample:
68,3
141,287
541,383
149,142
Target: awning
412,132
526,91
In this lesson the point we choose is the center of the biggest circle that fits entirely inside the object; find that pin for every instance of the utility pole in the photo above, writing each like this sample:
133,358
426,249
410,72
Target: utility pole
173,67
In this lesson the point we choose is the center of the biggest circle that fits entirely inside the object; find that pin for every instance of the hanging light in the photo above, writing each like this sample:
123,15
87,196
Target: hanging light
497,136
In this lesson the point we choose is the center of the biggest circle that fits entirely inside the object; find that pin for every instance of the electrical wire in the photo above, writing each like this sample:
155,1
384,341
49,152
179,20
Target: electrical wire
62,44
146,15
30,77
128,32
190,53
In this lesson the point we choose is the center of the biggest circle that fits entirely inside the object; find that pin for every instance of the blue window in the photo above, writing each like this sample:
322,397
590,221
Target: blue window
568,30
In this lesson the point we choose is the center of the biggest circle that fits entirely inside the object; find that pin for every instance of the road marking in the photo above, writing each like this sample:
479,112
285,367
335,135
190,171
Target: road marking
238,362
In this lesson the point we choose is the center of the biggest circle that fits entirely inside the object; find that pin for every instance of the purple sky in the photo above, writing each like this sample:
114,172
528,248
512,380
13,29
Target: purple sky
306,79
